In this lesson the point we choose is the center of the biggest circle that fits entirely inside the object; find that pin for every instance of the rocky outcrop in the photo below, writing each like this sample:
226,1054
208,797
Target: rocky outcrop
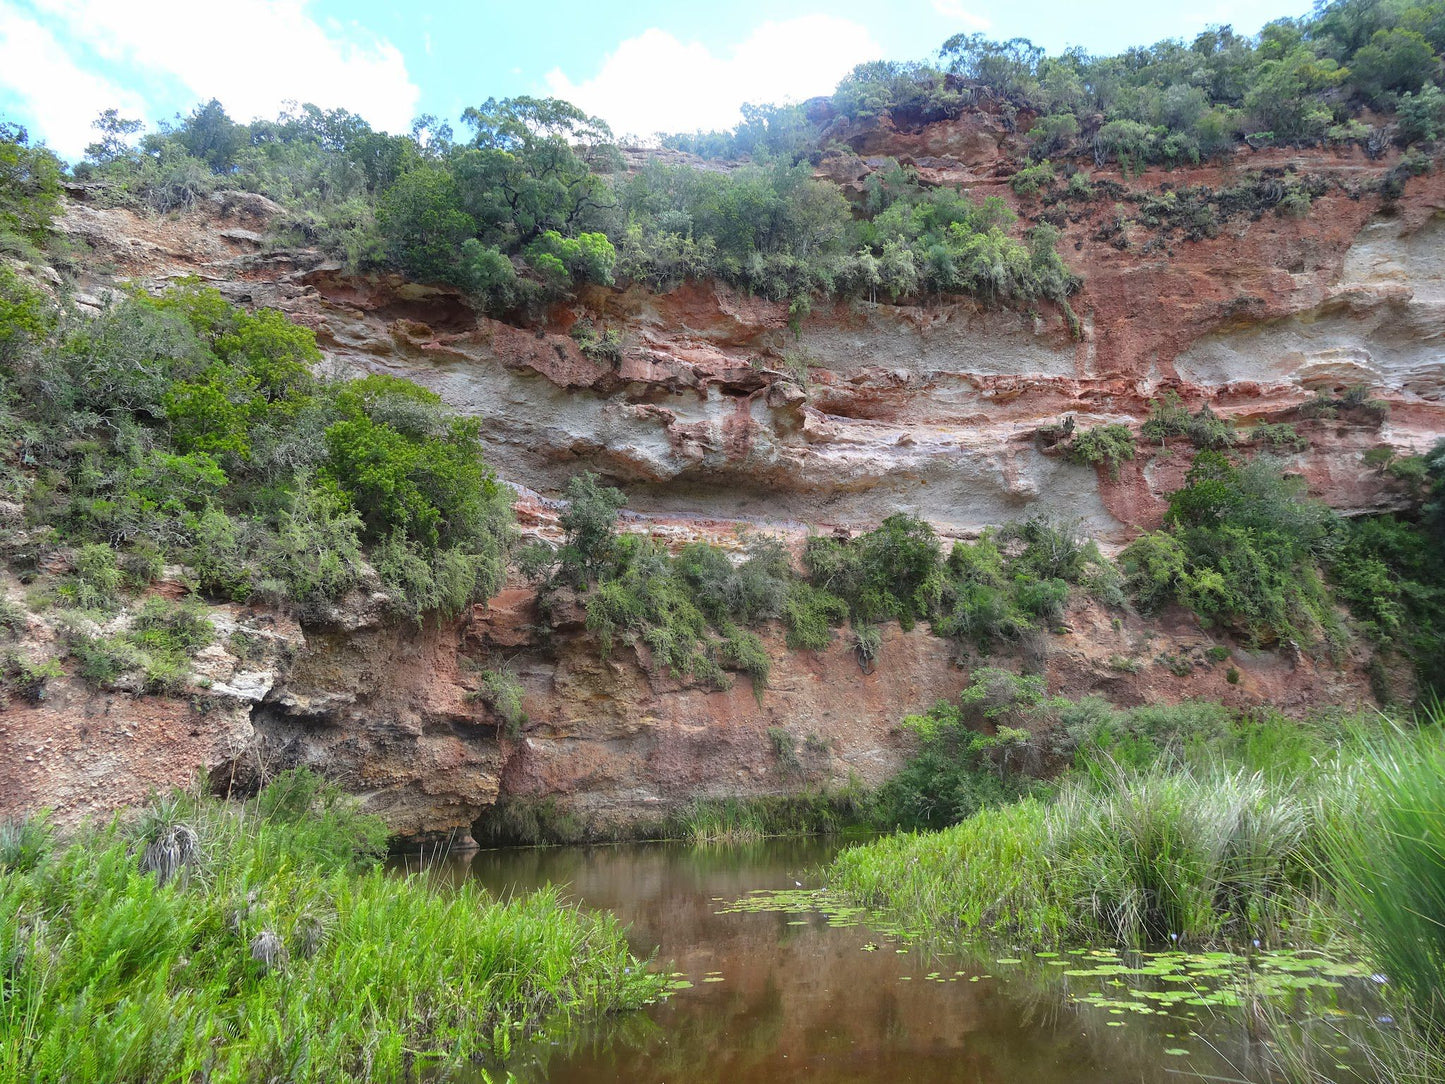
719,411
718,408
80,751
615,740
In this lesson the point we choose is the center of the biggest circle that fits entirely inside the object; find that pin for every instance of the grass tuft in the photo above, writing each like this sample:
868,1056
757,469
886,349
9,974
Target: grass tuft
286,952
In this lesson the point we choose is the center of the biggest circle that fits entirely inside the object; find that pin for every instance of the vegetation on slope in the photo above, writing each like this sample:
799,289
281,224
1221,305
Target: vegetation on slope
534,198
1300,81
246,943
182,429
1244,548
534,202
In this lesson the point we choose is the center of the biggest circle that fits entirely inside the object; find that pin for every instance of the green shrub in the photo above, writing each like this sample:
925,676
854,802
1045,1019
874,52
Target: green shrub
811,614
21,677
29,191
1390,572
888,573
26,314
751,592
503,693
745,652
867,643
1205,429
196,432
1155,566
785,748
1280,436
1103,445
168,634
1413,470
96,582
1243,550
24,842
14,618
1167,417
1028,181
104,660
956,770
590,521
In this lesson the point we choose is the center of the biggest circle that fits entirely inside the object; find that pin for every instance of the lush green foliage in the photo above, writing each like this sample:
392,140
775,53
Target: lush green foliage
1297,81
1242,550
29,192
958,766
1391,573
236,944
1188,821
503,692
890,573
1168,418
690,610
1387,856
1107,446
182,428
1246,549
1018,578
535,205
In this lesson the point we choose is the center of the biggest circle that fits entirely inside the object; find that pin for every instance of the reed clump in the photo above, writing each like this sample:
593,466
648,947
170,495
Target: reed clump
1175,825
1385,854
214,942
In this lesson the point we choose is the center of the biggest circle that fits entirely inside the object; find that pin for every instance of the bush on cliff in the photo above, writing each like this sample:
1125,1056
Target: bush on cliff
1243,550
182,428
29,192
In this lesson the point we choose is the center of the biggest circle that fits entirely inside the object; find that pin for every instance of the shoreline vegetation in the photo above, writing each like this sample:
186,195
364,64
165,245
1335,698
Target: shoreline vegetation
1267,833
249,942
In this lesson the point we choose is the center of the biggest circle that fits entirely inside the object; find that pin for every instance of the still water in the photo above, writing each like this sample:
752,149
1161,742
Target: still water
782,996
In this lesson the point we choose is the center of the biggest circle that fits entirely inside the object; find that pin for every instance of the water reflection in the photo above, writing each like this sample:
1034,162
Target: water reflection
802,1000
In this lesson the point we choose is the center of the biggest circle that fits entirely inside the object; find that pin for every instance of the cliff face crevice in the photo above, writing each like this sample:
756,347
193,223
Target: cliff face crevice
719,411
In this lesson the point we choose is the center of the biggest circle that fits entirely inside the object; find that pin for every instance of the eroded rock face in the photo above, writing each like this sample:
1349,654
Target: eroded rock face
720,411
617,740
718,408
81,751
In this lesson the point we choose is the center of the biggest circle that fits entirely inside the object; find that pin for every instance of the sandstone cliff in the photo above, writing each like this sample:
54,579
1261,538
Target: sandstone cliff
720,415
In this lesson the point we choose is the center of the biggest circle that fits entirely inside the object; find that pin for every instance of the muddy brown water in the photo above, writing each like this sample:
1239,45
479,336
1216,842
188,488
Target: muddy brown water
793,998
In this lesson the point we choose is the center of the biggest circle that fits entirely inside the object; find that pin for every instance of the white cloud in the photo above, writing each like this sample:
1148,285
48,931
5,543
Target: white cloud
251,54
655,83
954,9
52,88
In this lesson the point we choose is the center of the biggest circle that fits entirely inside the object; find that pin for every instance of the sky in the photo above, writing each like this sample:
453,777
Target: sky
644,66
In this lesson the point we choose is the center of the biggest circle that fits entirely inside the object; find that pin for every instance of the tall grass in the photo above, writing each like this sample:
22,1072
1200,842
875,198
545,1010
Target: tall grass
1386,856
1152,858
989,874
1171,855
277,949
